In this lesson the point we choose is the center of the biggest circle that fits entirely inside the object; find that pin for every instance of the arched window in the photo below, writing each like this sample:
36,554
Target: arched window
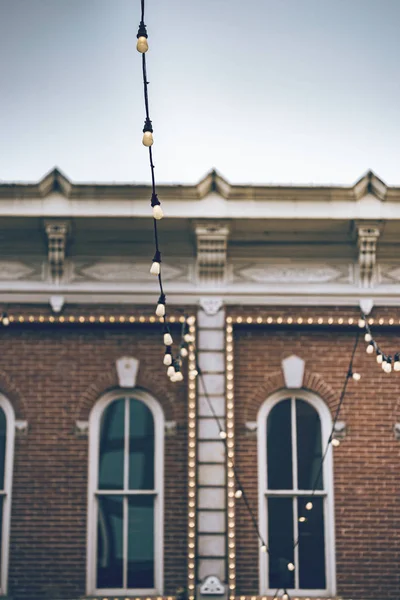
293,430
7,434
125,512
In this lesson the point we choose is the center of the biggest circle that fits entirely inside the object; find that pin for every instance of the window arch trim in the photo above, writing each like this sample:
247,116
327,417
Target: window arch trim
93,461
6,406
329,523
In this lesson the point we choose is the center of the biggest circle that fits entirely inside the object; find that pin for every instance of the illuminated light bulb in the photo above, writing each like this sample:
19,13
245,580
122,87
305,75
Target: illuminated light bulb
238,494
147,133
370,349
171,371
222,435
168,341
157,210
379,358
5,320
367,337
388,365
156,264
309,506
173,377
168,356
361,323
160,310
302,519
141,45
179,376
285,597
291,566
396,364
263,548
183,352
191,320
193,374
356,376
335,442
188,337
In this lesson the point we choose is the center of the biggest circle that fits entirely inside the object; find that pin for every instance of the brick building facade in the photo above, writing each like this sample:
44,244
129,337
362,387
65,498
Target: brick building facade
117,482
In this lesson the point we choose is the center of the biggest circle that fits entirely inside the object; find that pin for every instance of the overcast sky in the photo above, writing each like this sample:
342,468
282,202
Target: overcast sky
286,91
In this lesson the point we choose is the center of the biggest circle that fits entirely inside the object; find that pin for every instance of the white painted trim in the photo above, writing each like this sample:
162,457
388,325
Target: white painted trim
94,430
8,479
329,517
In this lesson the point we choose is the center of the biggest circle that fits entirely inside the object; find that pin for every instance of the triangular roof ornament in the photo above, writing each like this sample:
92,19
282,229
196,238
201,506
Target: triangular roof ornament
213,182
55,181
370,184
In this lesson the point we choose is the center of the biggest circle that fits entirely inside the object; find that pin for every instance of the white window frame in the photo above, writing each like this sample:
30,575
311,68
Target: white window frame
327,493
6,491
94,438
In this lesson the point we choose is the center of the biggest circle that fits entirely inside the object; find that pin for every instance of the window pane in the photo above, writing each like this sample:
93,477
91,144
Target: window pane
141,542
111,456
141,447
311,545
308,446
279,447
109,542
3,430
280,542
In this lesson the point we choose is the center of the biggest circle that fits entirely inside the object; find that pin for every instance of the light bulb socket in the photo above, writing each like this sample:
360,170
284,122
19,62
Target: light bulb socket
154,200
147,126
142,30
161,299
157,257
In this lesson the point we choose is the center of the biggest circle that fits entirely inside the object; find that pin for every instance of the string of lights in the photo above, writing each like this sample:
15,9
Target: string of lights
142,47
240,492
388,362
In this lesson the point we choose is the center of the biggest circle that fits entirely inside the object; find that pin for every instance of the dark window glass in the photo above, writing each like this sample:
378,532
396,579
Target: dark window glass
141,542
279,447
311,545
111,457
141,447
109,542
309,449
280,542
3,431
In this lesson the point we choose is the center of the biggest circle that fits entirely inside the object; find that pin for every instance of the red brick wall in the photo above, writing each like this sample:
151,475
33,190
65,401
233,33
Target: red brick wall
53,374
366,465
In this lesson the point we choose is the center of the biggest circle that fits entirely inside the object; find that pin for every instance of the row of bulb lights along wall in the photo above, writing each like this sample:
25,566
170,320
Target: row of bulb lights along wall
387,362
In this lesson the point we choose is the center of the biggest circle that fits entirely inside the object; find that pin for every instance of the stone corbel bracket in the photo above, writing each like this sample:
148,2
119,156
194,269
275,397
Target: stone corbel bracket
21,428
212,244
368,235
82,428
397,431
57,233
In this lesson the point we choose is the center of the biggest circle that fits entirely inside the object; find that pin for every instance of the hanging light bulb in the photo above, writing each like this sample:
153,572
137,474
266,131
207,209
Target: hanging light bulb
157,210
168,356
396,365
171,371
361,323
367,337
309,506
383,363
291,566
183,351
188,337
379,357
160,310
238,493
178,373
141,45
285,596
263,548
191,320
147,133
222,435
168,341
302,519
356,376
335,442
5,320
388,365
156,264
370,349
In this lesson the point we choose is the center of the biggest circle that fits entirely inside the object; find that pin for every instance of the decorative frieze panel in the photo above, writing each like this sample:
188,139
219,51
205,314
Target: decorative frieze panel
114,272
295,273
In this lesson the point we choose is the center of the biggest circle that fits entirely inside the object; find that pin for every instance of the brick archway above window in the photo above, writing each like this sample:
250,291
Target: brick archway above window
13,394
108,381
275,382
